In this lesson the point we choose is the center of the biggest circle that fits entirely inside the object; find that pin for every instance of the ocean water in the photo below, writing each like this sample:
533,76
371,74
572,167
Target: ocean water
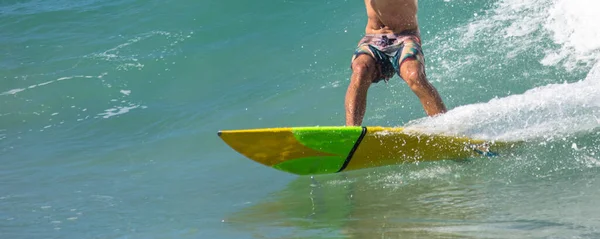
109,112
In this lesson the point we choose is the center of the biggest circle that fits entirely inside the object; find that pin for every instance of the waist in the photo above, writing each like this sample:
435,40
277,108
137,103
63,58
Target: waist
404,33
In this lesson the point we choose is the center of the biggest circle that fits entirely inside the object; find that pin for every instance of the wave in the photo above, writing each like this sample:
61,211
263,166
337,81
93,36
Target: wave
562,36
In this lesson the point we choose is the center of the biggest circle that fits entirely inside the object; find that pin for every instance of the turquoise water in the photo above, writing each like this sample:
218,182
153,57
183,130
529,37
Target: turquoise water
109,112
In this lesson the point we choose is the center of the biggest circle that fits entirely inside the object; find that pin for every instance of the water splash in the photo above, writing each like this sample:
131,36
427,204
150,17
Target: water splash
573,26
554,109
561,34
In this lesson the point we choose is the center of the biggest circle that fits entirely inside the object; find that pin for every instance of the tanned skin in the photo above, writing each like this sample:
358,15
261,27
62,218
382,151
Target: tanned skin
384,17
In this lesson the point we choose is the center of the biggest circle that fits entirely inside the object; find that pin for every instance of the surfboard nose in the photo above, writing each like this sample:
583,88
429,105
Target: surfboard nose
300,150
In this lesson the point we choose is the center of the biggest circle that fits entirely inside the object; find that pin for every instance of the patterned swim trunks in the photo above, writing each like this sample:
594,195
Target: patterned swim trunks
390,51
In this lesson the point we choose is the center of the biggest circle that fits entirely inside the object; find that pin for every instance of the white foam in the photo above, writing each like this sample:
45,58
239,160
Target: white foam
15,91
513,27
126,92
520,28
127,53
540,112
574,26
117,111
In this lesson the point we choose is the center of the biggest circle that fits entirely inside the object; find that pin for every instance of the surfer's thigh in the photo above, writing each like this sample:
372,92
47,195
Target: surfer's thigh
411,64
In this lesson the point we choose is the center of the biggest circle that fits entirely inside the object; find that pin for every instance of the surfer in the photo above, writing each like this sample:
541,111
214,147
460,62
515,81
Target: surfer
391,45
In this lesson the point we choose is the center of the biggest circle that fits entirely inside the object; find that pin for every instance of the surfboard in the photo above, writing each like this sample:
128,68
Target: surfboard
334,149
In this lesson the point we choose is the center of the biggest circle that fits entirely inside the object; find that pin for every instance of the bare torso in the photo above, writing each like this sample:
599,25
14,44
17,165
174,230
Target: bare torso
391,16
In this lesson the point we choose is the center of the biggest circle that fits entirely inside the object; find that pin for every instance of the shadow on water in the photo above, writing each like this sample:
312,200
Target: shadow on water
501,197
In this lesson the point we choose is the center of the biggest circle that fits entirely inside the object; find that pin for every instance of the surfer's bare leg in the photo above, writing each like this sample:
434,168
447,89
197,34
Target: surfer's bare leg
363,73
413,73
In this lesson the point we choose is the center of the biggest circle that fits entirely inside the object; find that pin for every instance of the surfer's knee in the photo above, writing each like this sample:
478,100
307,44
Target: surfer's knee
415,78
363,70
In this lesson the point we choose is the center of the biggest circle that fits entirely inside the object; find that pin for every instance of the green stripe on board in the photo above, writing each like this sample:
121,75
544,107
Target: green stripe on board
337,140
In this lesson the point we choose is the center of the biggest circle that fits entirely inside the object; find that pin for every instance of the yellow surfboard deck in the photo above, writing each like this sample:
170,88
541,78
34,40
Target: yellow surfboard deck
332,149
